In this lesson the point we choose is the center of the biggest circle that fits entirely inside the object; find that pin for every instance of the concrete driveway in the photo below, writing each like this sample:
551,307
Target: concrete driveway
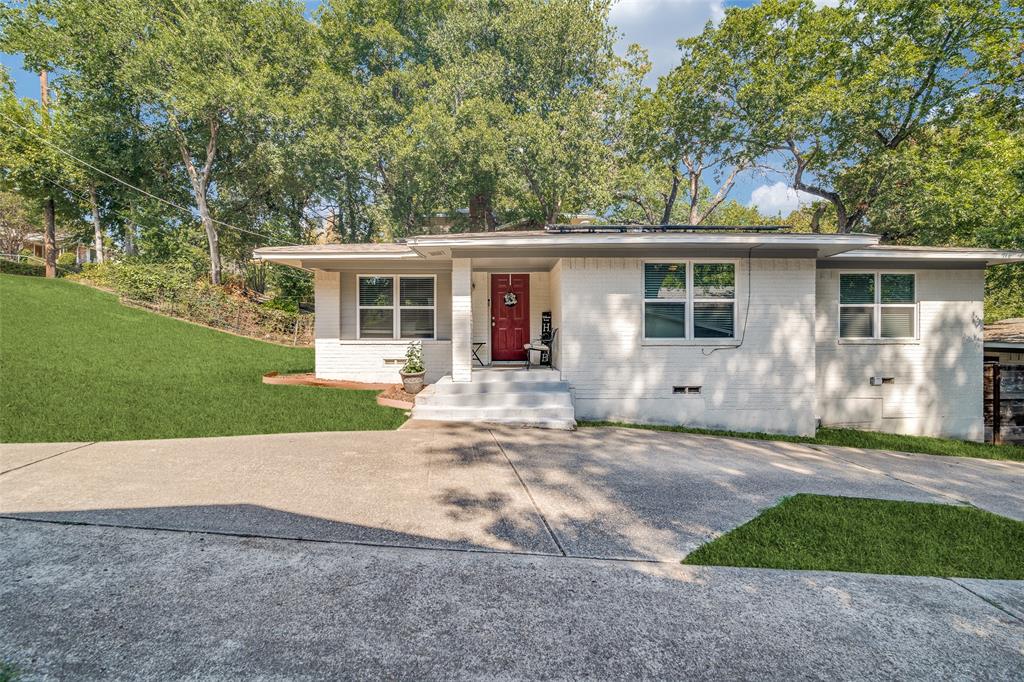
467,552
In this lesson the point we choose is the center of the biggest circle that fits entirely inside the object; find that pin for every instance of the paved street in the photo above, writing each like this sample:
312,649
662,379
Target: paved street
469,552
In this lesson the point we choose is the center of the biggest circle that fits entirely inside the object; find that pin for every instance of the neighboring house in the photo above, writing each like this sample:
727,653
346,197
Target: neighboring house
1004,341
731,329
36,243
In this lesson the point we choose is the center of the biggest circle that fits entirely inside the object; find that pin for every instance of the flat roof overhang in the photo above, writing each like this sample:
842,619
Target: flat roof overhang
923,257
491,250
317,256
490,245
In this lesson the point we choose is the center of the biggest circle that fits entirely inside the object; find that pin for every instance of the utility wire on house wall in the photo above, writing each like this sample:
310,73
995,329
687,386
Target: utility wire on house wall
139,189
746,314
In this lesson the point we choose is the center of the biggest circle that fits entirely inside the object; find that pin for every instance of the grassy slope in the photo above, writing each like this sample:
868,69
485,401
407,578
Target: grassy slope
820,532
76,365
856,439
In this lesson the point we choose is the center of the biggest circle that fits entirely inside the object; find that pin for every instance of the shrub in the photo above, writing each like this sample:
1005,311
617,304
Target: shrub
177,291
287,305
67,262
139,281
288,282
11,267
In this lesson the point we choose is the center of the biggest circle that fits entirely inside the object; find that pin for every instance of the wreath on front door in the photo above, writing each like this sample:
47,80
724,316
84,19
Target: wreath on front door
510,299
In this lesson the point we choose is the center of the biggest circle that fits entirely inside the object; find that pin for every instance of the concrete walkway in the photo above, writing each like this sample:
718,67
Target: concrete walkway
469,552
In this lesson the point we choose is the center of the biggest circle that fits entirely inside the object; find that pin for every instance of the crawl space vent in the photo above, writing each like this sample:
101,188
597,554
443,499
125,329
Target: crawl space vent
686,390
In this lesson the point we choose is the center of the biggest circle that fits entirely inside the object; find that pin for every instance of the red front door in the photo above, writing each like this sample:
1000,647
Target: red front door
510,316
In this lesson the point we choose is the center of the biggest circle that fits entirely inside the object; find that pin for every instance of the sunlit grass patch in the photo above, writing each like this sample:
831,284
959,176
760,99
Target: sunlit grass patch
826,533
78,366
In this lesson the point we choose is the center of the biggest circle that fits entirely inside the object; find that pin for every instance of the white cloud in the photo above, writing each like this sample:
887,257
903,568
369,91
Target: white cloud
778,199
658,24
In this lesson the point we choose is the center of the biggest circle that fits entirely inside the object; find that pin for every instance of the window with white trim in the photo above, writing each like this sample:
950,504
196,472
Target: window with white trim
877,305
396,307
689,300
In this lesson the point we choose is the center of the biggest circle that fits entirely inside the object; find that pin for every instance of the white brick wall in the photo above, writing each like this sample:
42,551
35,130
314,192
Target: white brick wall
937,380
462,319
340,356
540,300
555,295
482,313
790,368
767,384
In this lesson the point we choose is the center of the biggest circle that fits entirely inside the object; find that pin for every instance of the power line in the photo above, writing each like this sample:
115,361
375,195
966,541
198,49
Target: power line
133,187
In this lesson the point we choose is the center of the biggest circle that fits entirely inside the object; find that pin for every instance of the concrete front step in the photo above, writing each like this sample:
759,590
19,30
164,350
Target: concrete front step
552,418
489,374
486,387
536,399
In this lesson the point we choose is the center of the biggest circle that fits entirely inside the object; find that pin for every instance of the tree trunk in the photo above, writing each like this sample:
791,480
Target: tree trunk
481,213
212,239
844,221
670,201
50,239
694,197
97,228
49,209
129,240
816,219
200,180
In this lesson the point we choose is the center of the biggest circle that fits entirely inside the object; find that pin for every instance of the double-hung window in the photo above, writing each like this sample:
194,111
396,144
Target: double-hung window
689,300
877,305
396,307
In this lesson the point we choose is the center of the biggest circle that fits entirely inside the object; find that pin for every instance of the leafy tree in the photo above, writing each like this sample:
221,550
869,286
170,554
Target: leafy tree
16,222
690,127
206,78
840,89
963,186
505,107
29,164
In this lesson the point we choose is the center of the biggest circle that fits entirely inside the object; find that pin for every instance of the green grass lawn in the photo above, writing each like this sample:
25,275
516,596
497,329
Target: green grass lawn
820,532
855,439
75,365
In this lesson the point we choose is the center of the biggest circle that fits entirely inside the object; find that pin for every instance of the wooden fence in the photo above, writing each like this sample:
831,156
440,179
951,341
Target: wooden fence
1004,403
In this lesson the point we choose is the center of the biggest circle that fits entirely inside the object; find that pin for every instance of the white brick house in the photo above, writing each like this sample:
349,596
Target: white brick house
749,331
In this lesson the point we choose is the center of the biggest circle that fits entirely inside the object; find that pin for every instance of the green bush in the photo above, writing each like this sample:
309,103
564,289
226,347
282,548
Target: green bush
175,290
66,262
285,304
139,281
289,283
30,269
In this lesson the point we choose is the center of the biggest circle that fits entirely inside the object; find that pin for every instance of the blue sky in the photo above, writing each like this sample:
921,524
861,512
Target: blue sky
654,24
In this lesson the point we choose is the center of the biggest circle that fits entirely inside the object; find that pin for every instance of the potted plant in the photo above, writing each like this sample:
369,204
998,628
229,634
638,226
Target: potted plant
412,371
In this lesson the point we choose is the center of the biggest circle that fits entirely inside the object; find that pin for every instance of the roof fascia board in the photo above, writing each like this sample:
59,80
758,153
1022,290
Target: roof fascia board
328,256
646,238
839,263
939,258
637,251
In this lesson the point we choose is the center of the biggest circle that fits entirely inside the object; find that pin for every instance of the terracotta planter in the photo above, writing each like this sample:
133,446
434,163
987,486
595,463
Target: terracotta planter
413,383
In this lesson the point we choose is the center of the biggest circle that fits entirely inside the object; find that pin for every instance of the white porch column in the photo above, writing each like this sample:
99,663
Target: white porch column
462,319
